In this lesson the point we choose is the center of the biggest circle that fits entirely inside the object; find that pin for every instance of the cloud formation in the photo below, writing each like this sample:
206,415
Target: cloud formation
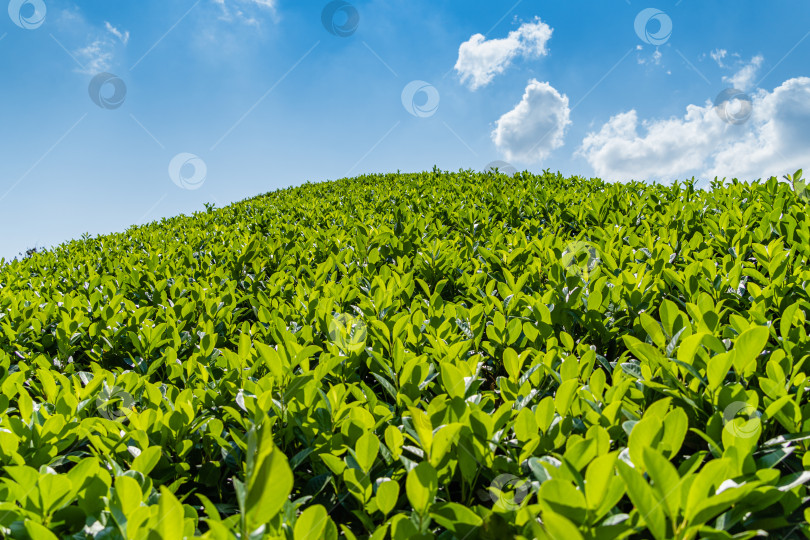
744,78
480,60
246,11
536,126
122,36
718,55
772,142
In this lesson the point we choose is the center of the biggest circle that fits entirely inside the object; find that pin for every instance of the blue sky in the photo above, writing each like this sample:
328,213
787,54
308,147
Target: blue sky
122,112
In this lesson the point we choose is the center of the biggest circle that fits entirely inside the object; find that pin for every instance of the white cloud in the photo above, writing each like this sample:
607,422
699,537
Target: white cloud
123,36
97,57
772,142
718,55
480,60
655,57
536,126
94,48
744,78
247,11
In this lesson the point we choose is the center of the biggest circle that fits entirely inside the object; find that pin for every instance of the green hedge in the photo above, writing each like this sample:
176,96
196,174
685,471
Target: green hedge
458,355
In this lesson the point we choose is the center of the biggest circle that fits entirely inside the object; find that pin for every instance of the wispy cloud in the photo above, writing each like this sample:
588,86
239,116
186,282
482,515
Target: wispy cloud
95,48
654,58
718,55
249,12
96,57
744,78
123,36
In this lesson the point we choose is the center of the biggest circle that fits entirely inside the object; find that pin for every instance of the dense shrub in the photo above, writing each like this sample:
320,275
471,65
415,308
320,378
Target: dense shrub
463,355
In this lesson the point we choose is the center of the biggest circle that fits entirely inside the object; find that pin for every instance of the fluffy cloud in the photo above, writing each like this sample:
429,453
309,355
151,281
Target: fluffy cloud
772,142
744,78
480,60
536,126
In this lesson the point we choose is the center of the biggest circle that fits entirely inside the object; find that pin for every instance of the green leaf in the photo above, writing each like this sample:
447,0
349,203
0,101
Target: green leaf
564,499
668,312
512,363
452,380
147,460
128,494
597,479
39,532
653,330
387,496
646,502
525,425
421,423
394,441
456,518
559,528
748,347
646,433
421,486
270,483
170,516
666,482
676,425
311,523
702,487
644,352
359,484
443,440
366,449
565,396
718,368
